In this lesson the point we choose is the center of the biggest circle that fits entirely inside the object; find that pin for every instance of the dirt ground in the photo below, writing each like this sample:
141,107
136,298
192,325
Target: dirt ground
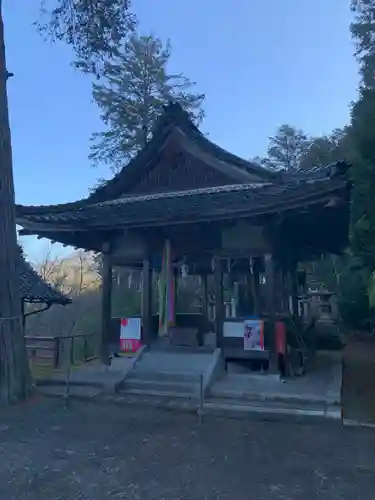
93,451
359,379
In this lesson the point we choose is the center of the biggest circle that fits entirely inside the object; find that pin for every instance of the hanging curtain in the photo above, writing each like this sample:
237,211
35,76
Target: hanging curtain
166,292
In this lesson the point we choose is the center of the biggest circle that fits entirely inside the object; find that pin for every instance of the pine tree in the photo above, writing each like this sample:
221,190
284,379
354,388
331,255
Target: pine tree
131,95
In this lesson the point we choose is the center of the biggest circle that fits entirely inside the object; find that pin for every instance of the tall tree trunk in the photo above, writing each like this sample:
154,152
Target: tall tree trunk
15,379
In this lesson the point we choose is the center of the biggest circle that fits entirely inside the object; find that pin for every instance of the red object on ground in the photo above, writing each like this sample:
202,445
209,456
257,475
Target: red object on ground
280,337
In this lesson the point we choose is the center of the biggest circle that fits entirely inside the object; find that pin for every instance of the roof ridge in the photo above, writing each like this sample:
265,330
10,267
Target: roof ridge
175,116
184,193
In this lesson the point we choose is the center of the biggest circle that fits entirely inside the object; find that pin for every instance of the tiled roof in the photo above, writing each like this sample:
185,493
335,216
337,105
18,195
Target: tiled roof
192,205
34,289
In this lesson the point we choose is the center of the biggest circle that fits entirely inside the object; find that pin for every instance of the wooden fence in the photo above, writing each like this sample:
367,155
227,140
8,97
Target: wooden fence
55,352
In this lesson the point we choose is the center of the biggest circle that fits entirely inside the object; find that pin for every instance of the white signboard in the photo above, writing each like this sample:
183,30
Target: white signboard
130,334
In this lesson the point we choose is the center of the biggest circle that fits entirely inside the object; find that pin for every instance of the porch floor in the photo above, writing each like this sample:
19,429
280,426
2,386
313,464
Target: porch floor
174,360
320,385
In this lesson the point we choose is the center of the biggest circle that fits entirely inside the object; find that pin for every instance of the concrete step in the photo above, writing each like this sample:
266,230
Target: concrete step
271,411
164,385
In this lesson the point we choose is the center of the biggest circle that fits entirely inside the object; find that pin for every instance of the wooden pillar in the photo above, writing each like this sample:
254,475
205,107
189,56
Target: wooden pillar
23,316
270,284
106,307
219,301
146,304
293,287
269,269
175,287
278,291
249,293
204,282
256,286
284,290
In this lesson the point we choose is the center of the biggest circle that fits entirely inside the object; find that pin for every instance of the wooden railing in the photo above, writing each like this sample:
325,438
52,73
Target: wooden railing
55,352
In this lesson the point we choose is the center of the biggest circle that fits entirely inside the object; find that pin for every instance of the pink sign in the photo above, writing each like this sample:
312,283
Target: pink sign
253,335
129,345
130,334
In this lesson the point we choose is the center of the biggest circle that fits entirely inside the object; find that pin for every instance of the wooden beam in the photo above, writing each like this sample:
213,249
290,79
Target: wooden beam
176,273
106,307
256,286
270,284
269,269
219,301
293,287
146,305
204,281
23,315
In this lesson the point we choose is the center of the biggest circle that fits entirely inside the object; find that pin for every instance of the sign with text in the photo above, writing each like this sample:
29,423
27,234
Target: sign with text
253,335
130,334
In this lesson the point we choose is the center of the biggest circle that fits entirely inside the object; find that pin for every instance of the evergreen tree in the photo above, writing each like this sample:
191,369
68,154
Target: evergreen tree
327,149
363,32
292,149
362,132
285,149
134,88
93,28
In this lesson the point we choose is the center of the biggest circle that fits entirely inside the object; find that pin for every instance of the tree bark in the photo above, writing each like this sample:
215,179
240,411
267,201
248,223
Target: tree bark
15,379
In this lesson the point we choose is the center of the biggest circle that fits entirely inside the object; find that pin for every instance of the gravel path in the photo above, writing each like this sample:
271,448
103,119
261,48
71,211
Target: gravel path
98,452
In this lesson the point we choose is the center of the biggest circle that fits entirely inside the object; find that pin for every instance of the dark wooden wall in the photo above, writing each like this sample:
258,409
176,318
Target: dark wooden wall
178,173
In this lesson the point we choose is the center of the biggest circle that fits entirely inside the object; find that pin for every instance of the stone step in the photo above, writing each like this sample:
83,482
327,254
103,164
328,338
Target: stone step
75,391
154,392
163,375
271,411
154,400
169,386
173,349
252,396
162,361
61,382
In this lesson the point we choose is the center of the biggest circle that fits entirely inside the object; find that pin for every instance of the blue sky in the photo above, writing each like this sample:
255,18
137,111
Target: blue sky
261,63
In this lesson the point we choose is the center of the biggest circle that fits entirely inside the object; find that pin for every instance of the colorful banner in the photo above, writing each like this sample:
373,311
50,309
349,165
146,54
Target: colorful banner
253,335
130,334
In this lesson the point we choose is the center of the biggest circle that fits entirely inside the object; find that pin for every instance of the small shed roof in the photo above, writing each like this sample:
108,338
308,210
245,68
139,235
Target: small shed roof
34,289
